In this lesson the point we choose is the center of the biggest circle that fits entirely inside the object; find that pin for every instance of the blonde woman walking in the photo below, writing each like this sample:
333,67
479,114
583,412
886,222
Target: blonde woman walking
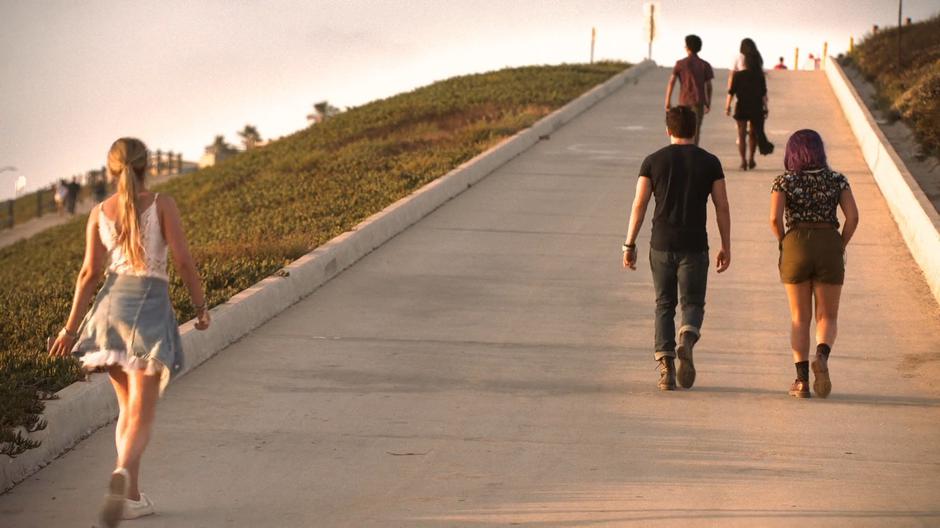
131,331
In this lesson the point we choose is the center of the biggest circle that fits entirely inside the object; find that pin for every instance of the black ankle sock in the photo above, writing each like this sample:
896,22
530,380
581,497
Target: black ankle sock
823,350
802,370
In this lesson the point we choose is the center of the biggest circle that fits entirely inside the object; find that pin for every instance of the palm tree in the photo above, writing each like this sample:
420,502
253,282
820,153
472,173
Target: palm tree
250,137
219,146
322,111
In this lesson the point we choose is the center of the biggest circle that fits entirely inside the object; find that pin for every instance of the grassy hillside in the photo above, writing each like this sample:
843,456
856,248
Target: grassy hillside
911,89
252,214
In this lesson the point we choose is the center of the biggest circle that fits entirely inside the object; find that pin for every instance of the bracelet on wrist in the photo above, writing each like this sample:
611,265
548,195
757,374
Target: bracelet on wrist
628,247
65,333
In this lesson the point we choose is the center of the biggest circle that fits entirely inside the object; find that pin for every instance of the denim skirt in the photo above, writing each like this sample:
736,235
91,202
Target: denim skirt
132,324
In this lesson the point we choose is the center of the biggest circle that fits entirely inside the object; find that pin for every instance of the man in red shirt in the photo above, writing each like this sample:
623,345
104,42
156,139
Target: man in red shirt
695,82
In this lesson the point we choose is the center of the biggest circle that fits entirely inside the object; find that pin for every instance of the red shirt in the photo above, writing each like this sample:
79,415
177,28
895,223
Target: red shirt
693,73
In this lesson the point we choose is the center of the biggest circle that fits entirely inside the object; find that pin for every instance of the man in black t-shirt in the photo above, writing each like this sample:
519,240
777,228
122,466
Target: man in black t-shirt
680,177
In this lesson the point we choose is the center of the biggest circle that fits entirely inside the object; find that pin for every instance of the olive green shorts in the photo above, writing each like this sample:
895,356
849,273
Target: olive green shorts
812,254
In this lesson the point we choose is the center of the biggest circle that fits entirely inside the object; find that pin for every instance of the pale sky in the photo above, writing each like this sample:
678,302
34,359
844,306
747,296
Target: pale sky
74,76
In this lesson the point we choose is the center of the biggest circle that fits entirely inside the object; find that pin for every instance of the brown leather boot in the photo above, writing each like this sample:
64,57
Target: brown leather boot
822,385
800,388
667,374
685,371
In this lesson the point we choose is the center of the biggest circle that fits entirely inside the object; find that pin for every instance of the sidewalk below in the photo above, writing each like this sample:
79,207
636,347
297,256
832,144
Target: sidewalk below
493,366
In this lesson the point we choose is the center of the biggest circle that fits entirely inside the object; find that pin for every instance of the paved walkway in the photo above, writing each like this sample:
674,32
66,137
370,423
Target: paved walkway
492,366
33,226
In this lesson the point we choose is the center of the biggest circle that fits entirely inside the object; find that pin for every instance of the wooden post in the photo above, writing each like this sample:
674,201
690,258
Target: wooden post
593,36
825,53
796,59
851,44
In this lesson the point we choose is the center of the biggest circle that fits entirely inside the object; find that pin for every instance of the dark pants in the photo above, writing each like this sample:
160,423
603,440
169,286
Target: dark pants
679,278
699,111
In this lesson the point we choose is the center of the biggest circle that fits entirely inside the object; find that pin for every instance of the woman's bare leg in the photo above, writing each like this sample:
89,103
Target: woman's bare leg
827,316
752,138
742,143
142,406
121,391
800,297
827,312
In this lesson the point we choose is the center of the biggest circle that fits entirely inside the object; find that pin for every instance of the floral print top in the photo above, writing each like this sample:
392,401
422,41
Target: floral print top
811,195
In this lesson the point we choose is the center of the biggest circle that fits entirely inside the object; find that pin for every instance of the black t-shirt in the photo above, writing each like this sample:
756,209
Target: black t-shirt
682,178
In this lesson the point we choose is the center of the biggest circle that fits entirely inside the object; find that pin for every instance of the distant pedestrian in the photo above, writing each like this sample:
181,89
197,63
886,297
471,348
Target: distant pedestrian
71,196
749,87
680,177
131,331
61,194
695,83
100,187
747,49
780,65
812,62
812,252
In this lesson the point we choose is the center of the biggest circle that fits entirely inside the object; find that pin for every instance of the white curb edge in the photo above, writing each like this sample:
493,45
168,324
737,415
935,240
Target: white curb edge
915,215
83,407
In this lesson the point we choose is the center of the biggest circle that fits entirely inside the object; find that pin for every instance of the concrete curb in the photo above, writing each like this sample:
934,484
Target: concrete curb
916,217
84,407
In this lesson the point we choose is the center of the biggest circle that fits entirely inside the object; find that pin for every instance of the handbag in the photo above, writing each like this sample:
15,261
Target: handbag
764,146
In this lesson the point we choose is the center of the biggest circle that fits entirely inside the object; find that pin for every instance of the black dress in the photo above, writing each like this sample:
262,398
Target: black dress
750,87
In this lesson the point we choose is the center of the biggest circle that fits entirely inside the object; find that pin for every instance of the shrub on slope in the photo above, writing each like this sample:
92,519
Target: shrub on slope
911,89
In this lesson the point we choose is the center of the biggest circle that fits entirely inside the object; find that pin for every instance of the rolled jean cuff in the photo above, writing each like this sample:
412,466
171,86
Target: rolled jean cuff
664,353
691,329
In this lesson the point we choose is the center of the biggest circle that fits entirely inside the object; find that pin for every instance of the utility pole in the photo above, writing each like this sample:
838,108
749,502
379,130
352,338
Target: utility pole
900,2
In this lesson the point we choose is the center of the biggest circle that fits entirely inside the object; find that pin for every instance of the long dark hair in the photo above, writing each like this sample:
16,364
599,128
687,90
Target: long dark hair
752,57
805,151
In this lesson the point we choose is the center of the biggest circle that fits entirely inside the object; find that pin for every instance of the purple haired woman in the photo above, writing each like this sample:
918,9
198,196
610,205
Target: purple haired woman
812,252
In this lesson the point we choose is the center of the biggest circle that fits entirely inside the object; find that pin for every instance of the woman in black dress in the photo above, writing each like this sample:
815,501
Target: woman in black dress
750,89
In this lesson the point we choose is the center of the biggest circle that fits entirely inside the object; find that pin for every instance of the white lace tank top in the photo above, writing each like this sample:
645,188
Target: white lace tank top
155,250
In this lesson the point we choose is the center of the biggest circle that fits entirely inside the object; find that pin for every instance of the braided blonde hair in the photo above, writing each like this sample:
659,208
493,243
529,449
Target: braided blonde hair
127,161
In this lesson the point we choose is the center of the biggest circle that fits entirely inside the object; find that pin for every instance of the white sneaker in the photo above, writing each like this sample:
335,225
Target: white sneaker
113,508
138,508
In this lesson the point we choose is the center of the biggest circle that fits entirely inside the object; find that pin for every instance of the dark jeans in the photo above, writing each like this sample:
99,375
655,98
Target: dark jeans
679,278
699,111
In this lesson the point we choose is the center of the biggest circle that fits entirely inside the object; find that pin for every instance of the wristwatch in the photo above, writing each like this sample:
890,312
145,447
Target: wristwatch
626,247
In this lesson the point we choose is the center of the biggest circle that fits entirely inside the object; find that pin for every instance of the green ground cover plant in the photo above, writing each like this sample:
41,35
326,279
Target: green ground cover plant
911,89
249,216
